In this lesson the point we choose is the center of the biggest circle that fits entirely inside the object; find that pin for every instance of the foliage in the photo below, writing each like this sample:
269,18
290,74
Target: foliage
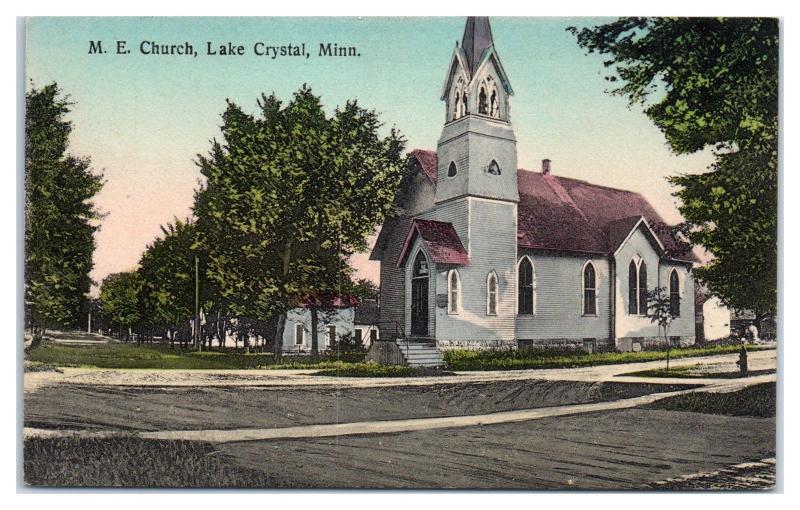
698,371
167,272
373,369
542,358
364,289
660,311
711,82
60,218
289,196
119,298
347,343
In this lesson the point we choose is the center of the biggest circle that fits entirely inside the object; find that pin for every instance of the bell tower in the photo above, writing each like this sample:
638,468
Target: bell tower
477,150
476,192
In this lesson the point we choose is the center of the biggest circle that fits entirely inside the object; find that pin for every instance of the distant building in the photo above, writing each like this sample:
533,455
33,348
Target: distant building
336,320
712,317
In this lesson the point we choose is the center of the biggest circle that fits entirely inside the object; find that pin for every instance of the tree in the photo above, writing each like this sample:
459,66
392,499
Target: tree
662,310
119,299
289,196
711,82
60,218
167,274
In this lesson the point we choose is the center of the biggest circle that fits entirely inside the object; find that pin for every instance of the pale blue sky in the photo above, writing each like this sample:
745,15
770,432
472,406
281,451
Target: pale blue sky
142,119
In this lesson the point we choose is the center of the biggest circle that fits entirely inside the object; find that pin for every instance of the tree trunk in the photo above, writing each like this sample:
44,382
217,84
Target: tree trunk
314,332
278,347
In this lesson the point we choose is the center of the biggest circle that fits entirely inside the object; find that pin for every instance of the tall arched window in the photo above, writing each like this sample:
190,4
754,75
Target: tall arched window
464,105
526,287
491,294
674,294
589,290
452,170
643,288
456,105
637,287
453,292
493,108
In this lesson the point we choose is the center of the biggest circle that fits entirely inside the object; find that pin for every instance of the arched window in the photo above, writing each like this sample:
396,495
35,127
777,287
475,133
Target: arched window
493,168
491,294
482,105
421,266
637,287
526,287
674,294
452,170
589,290
453,291
464,105
493,109
456,105
643,288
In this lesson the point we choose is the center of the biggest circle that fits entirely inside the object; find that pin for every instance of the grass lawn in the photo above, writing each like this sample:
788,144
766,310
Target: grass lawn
163,357
757,400
544,358
694,372
132,462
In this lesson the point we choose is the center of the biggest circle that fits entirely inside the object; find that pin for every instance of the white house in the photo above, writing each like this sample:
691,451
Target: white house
332,325
487,255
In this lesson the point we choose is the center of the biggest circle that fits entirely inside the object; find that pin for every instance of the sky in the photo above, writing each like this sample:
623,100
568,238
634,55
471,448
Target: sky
142,119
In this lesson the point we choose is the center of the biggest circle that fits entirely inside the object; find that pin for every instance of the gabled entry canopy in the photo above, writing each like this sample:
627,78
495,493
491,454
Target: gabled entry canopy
440,241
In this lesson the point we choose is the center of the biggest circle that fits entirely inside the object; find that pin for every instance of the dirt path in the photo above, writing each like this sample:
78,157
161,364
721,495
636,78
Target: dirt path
385,426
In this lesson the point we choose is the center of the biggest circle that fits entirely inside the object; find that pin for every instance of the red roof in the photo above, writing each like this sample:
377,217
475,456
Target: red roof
429,161
441,242
563,214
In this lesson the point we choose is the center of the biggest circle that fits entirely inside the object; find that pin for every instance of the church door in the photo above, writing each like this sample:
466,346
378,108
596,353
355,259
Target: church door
419,296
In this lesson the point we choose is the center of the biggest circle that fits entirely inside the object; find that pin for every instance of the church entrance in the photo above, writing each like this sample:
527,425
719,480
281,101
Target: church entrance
419,296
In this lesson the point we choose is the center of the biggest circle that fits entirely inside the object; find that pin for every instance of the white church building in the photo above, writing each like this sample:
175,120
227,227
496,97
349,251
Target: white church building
486,255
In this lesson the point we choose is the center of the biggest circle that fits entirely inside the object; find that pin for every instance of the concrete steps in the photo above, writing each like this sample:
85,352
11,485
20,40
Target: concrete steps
420,354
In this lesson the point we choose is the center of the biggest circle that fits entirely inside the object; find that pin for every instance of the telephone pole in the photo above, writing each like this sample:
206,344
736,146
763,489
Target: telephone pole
197,303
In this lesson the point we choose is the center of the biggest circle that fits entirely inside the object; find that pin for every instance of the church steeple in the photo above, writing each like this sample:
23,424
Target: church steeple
477,150
477,39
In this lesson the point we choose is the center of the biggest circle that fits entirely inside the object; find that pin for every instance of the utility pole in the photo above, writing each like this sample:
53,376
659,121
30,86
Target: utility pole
89,327
197,303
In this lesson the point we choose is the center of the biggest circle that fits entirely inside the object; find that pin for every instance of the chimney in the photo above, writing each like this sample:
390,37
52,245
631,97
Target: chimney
545,166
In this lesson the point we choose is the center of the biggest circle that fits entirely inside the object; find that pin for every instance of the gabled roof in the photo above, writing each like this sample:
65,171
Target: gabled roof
441,242
428,161
571,215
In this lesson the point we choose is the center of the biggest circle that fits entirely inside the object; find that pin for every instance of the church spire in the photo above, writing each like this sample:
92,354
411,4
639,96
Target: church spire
477,39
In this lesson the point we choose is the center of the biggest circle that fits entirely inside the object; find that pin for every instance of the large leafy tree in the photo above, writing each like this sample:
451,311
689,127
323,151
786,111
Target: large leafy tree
711,82
289,196
119,301
60,218
167,274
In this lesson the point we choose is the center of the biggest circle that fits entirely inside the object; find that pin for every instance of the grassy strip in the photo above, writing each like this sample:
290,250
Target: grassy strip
375,370
163,357
693,372
545,358
757,400
132,462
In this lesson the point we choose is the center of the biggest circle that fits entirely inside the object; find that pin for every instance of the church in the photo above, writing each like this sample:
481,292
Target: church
485,255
